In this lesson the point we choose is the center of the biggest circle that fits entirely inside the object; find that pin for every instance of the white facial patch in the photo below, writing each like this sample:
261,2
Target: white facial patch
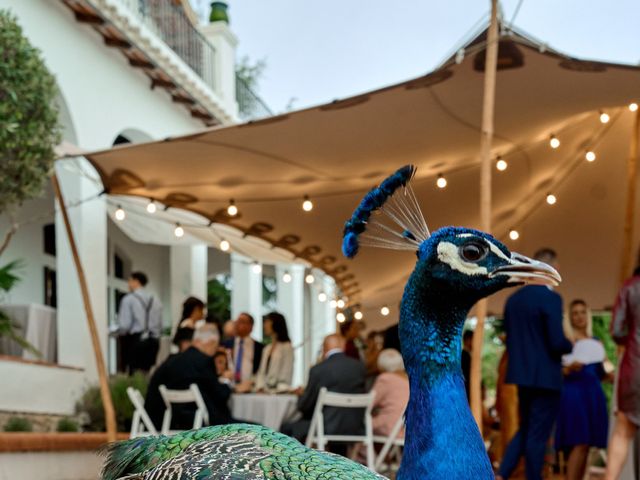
494,248
448,253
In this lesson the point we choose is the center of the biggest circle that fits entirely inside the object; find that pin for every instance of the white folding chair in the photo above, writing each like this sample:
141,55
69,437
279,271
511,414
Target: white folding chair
141,424
342,400
391,444
191,395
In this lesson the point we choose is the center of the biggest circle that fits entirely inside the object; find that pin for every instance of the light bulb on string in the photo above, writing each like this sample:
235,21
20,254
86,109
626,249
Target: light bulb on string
333,304
307,204
232,209
633,107
513,234
340,303
151,206
551,199
224,245
178,231
590,156
322,297
120,215
256,268
286,277
441,182
340,317
385,311
501,164
358,315
309,279
604,117
554,142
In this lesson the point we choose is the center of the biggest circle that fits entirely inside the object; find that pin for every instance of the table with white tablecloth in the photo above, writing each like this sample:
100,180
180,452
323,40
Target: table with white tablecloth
270,410
37,325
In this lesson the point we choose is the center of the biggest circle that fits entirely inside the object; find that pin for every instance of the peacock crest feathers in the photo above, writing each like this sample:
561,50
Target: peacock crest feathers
388,217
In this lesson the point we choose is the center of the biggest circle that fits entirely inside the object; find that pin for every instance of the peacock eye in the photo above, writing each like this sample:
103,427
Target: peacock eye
473,251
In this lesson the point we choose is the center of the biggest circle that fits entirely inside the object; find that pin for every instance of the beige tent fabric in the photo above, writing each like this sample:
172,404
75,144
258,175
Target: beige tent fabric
334,153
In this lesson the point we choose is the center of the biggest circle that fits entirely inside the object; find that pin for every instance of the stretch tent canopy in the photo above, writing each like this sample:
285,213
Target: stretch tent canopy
334,153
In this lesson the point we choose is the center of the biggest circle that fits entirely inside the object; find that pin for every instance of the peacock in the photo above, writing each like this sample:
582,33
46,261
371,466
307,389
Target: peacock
455,268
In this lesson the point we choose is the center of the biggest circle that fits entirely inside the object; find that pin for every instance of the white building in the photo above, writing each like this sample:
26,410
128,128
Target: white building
130,70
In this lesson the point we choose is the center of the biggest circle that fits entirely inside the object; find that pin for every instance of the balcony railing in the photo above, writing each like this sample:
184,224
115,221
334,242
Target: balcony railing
250,105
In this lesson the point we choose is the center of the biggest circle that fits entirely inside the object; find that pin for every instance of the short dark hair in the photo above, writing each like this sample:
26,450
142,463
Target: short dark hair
467,335
279,326
189,305
577,301
249,316
140,277
546,255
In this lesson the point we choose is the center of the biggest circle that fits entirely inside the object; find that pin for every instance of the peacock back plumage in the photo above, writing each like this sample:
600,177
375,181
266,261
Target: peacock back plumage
227,452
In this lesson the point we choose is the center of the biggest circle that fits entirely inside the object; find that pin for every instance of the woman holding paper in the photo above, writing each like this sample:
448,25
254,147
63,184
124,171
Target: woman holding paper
583,421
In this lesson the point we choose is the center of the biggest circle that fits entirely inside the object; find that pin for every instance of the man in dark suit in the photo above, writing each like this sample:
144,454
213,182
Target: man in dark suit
194,365
246,353
535,345
338,373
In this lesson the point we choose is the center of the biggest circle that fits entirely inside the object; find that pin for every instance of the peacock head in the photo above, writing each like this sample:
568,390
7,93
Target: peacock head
461,261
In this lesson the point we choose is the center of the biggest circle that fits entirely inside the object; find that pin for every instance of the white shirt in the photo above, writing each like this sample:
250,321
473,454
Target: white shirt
133,313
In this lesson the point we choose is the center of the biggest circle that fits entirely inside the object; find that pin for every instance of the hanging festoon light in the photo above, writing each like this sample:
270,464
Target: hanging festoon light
551,199
340,303
151,206
358,315
224,245
441,182
340,317
501,164
178,231
554,142
322,297
590,156
604,117
232,209
513,234
256,268
333,304
120,215
385,311
309,279
286,277
633,107
307,204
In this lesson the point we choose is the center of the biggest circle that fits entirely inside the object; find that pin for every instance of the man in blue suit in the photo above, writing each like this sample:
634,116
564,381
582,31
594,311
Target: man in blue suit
535,345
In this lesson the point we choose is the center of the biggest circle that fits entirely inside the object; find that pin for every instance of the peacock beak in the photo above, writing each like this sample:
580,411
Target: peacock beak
521,269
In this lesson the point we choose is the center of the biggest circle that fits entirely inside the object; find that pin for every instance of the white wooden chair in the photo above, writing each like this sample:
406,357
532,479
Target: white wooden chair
342,400
190,395
391,445
141,424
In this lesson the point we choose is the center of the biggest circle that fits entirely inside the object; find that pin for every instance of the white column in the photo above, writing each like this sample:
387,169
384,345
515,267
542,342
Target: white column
89,225
246,292
329,313
290,302
188,266
224,62
318,317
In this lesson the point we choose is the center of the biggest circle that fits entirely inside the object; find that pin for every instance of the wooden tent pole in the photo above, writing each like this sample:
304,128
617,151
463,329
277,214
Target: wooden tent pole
107,402
488,106
632,170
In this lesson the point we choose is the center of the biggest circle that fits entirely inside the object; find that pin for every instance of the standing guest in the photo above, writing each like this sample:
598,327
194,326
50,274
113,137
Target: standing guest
139,326
228,331
350,331
373,347
625,330
276,366
392,392
192,316
246,353
583,421
338,373
465,361
535,344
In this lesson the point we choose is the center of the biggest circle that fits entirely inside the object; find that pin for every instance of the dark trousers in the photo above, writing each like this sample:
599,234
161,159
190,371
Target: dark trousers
538,412
137,353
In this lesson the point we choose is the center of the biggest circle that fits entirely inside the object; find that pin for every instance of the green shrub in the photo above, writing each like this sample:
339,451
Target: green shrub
67,425
91,402
18,424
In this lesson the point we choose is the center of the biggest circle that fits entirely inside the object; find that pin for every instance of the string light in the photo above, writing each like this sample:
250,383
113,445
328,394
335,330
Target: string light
322,297
309,279
286,277
340,317
385,311
256,268
120,215
151,207
358,315
554,142
333,304
232,210
501,164
441,182
633,107
590,156
178,231
224,245
551,199
513,234
307,205
604,117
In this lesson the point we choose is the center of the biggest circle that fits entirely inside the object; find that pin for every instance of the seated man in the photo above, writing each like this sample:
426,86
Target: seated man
338,373
194,365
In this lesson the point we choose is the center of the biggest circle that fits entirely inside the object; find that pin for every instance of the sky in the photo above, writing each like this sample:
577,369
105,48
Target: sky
317,51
